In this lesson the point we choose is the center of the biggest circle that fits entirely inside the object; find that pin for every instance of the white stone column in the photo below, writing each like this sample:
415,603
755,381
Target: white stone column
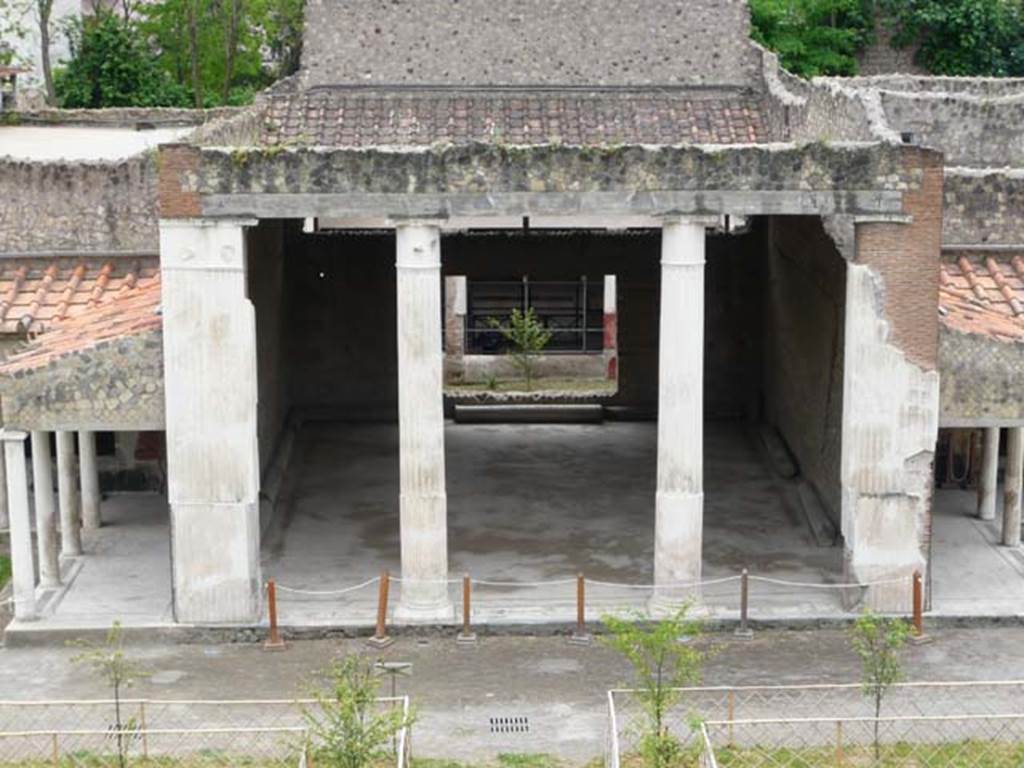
22,565
5,520
209,335
1012,490
679,505
67,494
423,503
988,477
46,511
90,479
611,328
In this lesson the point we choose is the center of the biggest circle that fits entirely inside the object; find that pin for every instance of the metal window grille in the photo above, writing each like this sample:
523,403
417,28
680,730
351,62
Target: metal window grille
572,310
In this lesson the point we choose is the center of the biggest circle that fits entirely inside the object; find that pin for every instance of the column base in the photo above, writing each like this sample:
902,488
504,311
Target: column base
678,540
441,612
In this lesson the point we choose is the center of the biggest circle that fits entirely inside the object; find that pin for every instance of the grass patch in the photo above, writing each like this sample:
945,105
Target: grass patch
5,570
518,386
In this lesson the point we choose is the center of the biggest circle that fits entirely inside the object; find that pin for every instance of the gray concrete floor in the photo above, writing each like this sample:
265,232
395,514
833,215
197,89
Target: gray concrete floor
560,687
527,503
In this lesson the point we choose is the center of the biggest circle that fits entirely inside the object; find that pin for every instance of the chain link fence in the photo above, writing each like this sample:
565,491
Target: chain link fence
796,726
165,733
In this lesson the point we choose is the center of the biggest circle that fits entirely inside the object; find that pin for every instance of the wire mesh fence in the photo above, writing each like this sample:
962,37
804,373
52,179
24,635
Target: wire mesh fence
754,726
168,733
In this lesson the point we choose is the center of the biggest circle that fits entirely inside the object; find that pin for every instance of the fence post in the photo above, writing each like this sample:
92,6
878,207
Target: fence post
917,636
579,635
732,714
380,637
743,631
56,751
839,743
466,636
274,641
142,725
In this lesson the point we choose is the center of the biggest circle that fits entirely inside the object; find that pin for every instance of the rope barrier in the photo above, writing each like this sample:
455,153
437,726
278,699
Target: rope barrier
813,585
330,592
556,583
670,585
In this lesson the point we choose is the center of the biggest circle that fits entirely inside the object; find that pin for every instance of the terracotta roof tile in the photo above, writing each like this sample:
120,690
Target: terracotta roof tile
343,117
983,294
36,292
115,316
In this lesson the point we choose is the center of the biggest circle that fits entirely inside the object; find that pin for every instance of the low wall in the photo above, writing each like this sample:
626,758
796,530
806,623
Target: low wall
983,207
479,368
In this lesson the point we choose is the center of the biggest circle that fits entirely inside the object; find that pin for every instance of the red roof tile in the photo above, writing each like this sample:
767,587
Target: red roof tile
347,118
122,313
37,292
983,294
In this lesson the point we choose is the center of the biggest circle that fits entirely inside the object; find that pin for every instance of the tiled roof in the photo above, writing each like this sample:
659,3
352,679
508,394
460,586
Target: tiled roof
343,117
36,292
119,315
983,294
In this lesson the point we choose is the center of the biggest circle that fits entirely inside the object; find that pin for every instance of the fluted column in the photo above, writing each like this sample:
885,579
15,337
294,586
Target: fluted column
67,495
423,503
679,505
90,479
1012,490
46,512
22,565
987,478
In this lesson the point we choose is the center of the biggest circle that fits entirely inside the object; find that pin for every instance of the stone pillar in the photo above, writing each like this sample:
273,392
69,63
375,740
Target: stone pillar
611,328
988,477
423,504
46,513
22,565
5,520
67,494
454,328
1012,489
679,504
209,335
90,479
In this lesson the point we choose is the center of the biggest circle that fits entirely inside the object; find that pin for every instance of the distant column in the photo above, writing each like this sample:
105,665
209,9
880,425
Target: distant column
679,505
46,512
423,503
1014,480
611,328
90,479
67,495
454,328
987,478
22,565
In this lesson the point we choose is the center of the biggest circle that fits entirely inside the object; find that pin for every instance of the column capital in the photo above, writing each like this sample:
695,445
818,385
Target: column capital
418,245
683,242
707,220
12,435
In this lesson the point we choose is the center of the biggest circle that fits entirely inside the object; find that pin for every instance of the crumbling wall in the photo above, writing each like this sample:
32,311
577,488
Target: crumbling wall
79,207
979,380
94,389
804,341
984,207
528,42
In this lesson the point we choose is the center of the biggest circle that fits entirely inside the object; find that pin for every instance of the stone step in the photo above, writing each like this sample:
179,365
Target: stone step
529,414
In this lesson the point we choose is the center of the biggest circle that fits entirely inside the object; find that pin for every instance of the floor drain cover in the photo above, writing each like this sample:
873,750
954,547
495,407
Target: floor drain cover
510,725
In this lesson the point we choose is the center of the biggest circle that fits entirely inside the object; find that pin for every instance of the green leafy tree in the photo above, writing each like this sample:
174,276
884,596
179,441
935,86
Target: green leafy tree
961,37
528,338
112,66
878,642
347,728
814,37
665,656
110,662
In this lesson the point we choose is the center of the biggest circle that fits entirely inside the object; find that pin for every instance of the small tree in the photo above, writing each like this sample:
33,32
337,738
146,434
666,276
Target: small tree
878,642
110,662
665,657
528,338
346,728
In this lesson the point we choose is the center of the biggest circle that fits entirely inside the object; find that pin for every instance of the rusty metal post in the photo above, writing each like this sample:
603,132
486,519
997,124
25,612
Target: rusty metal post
917,635
274,641
380,637
579,635
839,743
731,704
743,631
466,636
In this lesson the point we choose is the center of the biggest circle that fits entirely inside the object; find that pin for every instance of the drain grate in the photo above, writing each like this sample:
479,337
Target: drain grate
510,724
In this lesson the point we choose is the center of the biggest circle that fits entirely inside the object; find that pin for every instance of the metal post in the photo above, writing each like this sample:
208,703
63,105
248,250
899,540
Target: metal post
142,725
743,631
917,635
274,641
579,635
466,636
732,714
839,743
56,751
380,637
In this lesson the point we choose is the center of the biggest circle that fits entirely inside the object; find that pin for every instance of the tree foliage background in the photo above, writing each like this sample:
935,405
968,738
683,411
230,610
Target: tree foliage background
953,37
198,53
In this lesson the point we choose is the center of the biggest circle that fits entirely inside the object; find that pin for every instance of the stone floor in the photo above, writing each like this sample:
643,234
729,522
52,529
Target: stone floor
527,503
